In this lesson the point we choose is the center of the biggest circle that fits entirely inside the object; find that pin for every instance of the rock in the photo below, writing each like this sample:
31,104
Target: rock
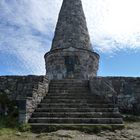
18,134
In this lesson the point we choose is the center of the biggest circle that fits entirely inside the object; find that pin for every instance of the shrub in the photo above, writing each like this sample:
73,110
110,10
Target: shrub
24,127
7,107
8,112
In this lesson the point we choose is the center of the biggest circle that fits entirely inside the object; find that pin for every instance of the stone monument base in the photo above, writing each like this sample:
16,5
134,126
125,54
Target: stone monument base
71,63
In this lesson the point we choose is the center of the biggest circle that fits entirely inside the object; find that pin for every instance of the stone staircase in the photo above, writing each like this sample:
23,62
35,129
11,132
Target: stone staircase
70,102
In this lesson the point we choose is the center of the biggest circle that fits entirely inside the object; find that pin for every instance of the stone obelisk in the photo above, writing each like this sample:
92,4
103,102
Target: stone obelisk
71,55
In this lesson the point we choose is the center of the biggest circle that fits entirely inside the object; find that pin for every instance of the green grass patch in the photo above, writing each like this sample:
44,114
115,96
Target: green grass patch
9,115
24,127
8,131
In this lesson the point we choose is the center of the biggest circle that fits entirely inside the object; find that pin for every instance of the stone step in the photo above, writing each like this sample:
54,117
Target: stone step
69,82
77,120
49,127
80,101
76,110
71,97
68,85
70,102
69,88
71,94
46,105
77,104
77,115
73,81
68,91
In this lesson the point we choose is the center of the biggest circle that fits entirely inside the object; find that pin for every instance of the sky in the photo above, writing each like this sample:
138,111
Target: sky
27,29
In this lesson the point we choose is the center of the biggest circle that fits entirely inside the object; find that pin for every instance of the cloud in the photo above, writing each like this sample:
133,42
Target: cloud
26,31
27,28
113,24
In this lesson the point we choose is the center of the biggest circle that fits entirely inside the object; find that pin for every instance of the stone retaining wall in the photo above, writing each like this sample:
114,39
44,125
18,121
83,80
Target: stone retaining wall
127,91
29,90
68,63
26,90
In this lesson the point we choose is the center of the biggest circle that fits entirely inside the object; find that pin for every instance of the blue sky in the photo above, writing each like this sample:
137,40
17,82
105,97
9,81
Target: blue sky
27,28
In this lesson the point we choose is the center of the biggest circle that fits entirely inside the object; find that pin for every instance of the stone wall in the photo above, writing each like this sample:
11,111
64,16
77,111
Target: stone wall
29,90
26,90
19,86
71,63
123,90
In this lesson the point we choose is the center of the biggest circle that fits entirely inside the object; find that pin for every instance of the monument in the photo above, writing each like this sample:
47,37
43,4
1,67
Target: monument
71,93
71,55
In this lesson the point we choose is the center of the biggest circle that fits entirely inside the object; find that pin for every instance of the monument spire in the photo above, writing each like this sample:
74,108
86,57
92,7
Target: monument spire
71,55
71,29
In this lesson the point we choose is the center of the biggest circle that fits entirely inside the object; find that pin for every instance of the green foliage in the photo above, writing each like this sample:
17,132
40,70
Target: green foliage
24,127
8,122
10,119
9,112
8,106
7,131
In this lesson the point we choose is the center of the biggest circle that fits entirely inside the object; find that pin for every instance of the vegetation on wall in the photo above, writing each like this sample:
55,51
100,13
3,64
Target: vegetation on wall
9,114
8,111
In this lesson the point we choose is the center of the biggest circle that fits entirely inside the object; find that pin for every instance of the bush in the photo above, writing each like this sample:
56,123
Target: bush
8,112
24,127
8,122
7,107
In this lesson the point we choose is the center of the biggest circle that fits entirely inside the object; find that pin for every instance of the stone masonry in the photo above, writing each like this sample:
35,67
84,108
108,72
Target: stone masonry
71,54
71,61
71,29
126,92
27,91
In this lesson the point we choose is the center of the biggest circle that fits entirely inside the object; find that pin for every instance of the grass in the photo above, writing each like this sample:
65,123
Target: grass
10,129
15,133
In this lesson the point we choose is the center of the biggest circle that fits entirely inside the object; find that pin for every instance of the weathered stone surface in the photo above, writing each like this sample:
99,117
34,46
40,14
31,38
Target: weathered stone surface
27,90
71,57
71,63
127,91
70,102
71,54
21,87
71,29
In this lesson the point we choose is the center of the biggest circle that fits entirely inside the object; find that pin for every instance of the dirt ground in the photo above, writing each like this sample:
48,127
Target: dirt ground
130,132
